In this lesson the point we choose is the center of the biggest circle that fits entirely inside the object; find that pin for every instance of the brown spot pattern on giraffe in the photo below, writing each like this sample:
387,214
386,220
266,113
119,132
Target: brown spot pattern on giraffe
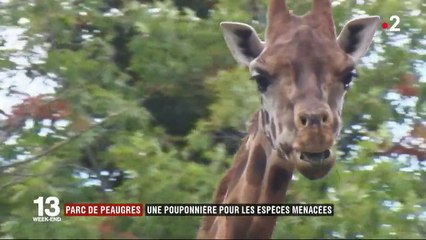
277,178
257,165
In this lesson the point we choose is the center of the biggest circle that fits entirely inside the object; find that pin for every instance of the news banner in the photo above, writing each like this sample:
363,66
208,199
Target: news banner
49,209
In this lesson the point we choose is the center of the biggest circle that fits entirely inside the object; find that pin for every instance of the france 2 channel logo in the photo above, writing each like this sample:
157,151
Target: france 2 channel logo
47,214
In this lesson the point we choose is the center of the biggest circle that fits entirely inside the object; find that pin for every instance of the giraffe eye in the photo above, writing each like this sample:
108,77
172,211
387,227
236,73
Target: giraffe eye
262,82
347,79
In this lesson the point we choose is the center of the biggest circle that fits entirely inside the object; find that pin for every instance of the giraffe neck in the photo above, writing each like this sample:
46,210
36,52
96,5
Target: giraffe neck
258,175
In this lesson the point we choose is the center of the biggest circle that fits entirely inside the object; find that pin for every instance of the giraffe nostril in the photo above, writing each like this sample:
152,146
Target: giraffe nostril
304,120
324,118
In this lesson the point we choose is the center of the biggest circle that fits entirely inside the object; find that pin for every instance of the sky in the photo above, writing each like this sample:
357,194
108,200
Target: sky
16,79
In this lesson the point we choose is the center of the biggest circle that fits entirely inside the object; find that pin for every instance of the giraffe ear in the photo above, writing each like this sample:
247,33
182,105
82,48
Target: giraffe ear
242,41
357,36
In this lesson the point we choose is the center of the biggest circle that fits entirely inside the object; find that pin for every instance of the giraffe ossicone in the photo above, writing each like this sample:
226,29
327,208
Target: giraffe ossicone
302,71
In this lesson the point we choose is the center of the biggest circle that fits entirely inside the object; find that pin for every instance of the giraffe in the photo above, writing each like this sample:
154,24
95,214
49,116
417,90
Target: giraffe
302,71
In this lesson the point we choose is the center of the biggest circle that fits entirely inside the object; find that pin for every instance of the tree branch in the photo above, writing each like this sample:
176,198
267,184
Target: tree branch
57,145
11,182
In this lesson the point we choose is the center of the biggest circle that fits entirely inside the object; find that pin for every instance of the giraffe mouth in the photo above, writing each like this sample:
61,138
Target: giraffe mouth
315,158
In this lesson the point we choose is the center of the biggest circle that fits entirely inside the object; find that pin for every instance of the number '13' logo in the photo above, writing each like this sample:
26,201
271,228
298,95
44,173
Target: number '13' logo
54,206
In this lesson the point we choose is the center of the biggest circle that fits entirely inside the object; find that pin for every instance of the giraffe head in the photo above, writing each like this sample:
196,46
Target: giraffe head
302,71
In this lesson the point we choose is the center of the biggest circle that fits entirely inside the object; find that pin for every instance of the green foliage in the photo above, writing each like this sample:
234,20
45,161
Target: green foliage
148,90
